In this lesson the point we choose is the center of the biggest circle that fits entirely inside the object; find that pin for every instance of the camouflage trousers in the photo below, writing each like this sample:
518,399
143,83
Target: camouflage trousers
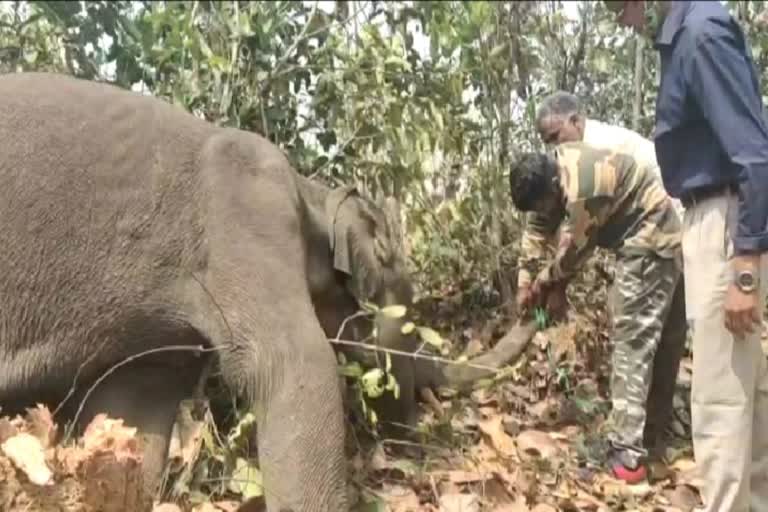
647,304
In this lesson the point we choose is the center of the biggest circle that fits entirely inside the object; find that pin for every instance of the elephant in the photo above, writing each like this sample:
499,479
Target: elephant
139,241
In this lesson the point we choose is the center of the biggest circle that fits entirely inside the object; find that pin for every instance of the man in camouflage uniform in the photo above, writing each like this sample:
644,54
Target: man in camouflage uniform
603,198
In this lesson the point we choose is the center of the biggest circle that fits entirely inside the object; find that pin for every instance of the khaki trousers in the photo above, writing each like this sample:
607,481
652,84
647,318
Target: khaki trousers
729,395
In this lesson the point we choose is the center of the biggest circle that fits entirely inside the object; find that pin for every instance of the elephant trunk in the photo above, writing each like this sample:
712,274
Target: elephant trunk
401,411
484,366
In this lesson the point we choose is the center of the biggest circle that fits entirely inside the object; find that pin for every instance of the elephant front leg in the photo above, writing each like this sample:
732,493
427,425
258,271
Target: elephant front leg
289,374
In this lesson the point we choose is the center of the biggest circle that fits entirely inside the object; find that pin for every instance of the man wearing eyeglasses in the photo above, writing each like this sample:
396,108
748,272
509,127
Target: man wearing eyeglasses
561,118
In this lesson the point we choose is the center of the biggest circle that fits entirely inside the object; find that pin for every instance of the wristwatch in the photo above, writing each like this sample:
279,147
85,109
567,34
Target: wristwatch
746,281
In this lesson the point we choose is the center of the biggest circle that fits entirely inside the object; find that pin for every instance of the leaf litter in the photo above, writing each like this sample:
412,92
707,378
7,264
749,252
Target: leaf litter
534,441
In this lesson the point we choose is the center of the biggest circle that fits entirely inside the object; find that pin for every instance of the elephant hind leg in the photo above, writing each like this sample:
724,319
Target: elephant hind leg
145,396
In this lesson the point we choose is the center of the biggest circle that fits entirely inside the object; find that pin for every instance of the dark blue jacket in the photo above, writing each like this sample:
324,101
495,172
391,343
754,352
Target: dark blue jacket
710,125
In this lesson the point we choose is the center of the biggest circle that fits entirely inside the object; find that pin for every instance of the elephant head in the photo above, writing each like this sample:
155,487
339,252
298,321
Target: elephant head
367,246
366,241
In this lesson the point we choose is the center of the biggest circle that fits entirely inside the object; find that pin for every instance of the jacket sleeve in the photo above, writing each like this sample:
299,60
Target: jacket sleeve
536,246
724,87
585,218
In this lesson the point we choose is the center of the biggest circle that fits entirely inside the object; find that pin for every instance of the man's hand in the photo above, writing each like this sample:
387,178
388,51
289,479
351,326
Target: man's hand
524,298
742,310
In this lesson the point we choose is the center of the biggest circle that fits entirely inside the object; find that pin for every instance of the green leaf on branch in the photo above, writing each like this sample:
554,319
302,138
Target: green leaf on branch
408,328
395,311
353,370
371,382
393,386
240,434
431,336
246,480
497,51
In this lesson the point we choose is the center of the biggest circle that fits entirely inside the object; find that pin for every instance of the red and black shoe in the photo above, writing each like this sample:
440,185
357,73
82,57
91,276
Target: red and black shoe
623,471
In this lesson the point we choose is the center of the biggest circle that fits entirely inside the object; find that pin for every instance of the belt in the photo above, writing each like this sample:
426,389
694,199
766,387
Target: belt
700,194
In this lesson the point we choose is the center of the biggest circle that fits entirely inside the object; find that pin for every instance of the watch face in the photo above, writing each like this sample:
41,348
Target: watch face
746,279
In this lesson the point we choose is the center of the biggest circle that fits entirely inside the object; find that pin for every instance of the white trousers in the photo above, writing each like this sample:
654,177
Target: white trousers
729,395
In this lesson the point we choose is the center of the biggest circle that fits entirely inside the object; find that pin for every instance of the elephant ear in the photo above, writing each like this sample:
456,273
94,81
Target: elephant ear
338,230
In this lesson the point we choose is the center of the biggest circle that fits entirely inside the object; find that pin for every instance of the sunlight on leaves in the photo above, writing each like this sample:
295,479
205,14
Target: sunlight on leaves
431,336
246,480
395,311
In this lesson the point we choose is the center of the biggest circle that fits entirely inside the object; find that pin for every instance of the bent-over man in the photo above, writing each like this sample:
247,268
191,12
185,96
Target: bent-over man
603,198
561,118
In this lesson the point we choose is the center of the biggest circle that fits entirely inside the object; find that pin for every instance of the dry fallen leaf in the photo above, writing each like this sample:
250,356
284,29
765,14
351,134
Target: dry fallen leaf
166,507
40,424
228,506
459,503
467,477
106,434
545,411
494,429
536,444
400,499
543,507
518,506
206,507
7,429
28,454
683,497
186,437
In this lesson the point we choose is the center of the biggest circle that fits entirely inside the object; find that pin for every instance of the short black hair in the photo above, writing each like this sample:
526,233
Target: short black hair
532,177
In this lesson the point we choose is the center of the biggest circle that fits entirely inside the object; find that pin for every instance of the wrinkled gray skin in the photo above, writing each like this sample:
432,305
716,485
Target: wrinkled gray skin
128,225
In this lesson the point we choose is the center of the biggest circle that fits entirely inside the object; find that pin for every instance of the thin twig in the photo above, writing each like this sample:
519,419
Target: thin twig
412,355
73,388
340,151
170,348
359,314
304,36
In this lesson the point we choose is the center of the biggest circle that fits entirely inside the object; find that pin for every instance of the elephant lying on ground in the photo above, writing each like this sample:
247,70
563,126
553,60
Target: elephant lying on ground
130,226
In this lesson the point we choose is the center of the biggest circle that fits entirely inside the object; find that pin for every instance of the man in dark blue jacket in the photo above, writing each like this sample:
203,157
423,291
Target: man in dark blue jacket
712,147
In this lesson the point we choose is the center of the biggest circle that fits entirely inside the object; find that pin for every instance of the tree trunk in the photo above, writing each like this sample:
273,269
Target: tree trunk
637,104
503,107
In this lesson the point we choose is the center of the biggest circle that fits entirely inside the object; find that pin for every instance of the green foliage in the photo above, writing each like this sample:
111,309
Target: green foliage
427,101
371,383
540,316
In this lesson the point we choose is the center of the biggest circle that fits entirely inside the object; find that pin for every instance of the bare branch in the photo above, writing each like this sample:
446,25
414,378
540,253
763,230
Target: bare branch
578,56
437,359
73,388
278,70
340,151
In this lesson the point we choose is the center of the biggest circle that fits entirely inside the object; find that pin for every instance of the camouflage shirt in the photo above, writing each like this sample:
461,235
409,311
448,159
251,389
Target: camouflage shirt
610,202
